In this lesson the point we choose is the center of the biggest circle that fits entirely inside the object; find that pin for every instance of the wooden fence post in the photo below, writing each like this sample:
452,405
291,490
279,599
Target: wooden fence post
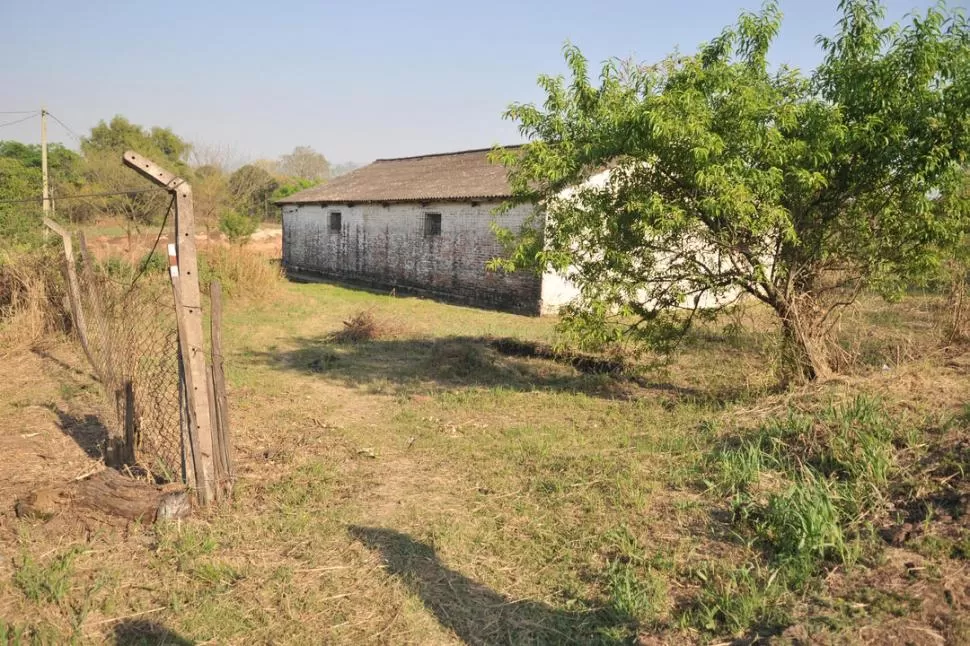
221,400
188,313
74,291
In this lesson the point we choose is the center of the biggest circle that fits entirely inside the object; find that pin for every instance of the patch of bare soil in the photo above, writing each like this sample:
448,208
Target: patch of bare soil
51,436
45,438
266,241
907,599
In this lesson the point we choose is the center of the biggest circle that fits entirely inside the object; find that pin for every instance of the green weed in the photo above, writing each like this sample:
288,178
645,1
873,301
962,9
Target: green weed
736,600
803,526
639,594
48,582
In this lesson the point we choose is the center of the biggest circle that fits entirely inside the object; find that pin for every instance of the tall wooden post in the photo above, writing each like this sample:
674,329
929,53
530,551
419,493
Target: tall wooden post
189,314
45,184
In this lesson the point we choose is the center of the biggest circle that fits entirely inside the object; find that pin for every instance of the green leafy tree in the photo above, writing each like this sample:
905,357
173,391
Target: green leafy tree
21,179
730,176
106,173
19,222
161,145
250,191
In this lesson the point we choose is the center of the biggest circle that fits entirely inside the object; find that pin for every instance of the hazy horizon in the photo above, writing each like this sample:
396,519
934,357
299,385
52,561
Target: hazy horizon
356,83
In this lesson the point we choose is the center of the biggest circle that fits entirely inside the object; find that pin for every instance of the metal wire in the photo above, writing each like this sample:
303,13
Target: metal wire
15,121
133,343
130,191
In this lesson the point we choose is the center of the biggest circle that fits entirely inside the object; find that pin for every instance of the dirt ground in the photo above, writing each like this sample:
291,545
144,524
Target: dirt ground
423,487
267,240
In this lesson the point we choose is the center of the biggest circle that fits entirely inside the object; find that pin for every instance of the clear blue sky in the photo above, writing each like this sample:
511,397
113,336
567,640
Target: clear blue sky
355,80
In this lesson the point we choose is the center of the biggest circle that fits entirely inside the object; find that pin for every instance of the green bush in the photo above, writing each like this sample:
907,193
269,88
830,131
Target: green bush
237,227
117,267
154,262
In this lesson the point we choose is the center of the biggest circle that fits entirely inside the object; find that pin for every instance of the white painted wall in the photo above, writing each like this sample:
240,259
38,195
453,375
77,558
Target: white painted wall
386,245
558,290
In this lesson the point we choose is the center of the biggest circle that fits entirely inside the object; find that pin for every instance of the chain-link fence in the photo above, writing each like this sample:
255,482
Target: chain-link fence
141,330
131,339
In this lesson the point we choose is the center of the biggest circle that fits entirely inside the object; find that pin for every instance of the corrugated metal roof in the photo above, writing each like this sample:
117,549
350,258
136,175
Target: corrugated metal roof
447,176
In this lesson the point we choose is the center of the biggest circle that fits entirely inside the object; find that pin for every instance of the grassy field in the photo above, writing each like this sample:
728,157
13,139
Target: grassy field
422,487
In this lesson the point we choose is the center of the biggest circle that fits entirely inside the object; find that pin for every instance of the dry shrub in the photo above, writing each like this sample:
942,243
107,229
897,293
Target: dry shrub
242,272
362,326
32,297
955,314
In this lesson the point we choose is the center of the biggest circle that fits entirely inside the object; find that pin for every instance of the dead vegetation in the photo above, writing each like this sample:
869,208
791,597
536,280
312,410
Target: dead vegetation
31,298
243,272
444,475
363,326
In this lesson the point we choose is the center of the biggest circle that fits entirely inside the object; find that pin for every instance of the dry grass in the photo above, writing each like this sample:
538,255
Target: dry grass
418,486
244,273
955,312
31,298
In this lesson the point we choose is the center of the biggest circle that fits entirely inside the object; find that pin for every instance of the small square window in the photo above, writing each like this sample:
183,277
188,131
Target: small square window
432,224
335,222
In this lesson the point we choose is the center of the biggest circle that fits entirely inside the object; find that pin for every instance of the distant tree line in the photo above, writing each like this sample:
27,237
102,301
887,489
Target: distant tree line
231,199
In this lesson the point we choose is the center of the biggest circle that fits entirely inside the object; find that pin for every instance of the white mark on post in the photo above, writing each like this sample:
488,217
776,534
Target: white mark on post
173,263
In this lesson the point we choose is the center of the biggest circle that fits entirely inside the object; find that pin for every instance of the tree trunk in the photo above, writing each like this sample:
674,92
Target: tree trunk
804,356
111,493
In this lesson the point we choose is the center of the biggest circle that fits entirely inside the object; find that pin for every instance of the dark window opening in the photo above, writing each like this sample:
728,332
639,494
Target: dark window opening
335,222
432,224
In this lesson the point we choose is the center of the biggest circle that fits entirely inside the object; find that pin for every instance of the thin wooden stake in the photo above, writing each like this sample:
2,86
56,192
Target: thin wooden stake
219,385
220,468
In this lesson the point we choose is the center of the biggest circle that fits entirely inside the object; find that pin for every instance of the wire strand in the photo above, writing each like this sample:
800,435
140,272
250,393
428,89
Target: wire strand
16,111
130,191
151,252
16,121
65,126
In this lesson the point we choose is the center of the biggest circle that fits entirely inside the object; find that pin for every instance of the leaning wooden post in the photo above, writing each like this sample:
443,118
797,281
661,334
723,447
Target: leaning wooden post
190,441
74,292
189,315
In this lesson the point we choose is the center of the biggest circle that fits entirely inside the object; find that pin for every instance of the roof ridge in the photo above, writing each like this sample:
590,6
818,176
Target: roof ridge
457,152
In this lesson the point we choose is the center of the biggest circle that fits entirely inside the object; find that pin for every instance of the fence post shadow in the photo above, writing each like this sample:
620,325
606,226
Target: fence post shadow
477,614
89,432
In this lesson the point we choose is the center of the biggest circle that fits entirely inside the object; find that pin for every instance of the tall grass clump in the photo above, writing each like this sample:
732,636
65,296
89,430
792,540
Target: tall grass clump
32,297
243,273
735,598
806,488
805,491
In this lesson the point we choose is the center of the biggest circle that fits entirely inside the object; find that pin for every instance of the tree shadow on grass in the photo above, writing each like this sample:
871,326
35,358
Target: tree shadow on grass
479,615
140,632
408,364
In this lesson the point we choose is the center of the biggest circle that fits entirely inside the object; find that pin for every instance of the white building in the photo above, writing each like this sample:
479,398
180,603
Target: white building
421,224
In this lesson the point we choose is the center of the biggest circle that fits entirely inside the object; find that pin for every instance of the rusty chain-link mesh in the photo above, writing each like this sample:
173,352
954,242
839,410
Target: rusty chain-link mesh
132,343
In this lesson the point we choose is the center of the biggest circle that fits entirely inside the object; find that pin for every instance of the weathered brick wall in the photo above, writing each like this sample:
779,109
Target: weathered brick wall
386,246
